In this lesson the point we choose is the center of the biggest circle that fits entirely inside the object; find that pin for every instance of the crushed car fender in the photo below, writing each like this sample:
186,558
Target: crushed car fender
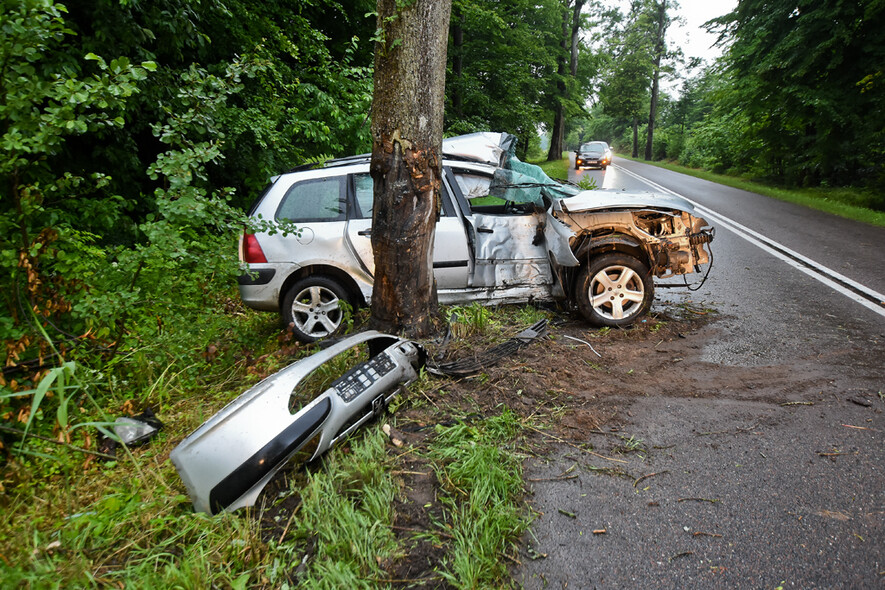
228,460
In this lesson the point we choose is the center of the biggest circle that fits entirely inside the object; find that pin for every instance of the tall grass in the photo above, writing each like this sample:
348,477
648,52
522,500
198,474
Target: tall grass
75,522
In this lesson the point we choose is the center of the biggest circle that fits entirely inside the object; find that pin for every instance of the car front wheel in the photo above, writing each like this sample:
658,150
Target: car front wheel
614,290
311,308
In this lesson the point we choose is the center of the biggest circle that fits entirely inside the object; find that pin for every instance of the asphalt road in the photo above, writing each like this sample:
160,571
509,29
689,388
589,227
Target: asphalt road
778,479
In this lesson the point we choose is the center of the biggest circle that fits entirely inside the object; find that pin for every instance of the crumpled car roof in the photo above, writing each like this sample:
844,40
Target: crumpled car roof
484,146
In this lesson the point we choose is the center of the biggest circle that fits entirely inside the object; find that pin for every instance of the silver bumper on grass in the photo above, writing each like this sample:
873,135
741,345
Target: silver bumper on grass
228,460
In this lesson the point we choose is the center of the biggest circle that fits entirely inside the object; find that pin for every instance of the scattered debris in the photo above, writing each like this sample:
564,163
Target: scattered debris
836,515
703,534
560,478
582,342
711,501
470,366
565,442
860,402
394,435
797,404
567,513
600,531
137,430
683,554
647,476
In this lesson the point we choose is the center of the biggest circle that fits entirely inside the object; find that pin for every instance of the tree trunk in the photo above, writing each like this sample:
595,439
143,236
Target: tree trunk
558,130
457,64
570,45
659,52
635,137
407,124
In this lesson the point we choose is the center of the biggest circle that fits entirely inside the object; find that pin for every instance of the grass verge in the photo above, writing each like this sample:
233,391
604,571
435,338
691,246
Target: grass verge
70,523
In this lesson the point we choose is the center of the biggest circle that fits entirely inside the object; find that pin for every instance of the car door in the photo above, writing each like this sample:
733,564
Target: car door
509,244
451,258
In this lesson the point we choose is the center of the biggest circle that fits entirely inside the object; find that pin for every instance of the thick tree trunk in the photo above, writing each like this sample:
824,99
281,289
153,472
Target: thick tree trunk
407,123
570,44
659,53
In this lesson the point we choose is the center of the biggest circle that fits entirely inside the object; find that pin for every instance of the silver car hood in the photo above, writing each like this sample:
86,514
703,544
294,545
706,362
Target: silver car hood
618,199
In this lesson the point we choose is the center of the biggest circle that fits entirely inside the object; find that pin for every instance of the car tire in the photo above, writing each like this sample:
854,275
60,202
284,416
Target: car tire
614,290
311,308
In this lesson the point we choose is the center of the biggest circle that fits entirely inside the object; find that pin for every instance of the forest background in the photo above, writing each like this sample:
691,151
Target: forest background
135,135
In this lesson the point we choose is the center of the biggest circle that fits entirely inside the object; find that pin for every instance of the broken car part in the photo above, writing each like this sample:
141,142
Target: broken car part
228,460
135,430
470,366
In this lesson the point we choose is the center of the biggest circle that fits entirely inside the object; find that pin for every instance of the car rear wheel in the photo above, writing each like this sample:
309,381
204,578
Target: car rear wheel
311,308
614,290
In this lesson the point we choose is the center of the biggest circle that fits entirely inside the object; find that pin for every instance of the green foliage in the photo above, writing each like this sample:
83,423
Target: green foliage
48,242
499,74
807,77
117,236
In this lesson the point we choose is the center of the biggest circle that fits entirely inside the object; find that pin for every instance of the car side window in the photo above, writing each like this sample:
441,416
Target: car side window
313,200
364,191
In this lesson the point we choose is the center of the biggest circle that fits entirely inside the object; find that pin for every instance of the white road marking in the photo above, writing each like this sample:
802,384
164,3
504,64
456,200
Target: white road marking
862,294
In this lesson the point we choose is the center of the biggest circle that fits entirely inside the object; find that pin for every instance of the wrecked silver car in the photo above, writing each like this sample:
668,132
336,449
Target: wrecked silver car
227,461
507,233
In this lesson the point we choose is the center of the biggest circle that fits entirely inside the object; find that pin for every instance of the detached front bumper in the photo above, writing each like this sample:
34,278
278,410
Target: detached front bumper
228,460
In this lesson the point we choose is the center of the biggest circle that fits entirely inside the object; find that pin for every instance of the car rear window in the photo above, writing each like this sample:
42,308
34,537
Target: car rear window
314,200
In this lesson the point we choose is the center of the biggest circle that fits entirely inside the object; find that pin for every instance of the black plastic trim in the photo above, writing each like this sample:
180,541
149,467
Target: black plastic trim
450,264
241,479
262,276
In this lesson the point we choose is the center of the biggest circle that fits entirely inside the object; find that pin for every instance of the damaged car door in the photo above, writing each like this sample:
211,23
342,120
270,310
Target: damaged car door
509,247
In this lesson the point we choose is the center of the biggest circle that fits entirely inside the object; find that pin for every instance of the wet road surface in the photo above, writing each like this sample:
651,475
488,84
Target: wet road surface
767,469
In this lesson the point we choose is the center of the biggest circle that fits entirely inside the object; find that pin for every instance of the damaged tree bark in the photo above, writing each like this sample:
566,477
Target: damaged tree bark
407,122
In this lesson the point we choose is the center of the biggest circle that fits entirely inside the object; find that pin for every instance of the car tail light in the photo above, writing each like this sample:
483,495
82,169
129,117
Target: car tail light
252,251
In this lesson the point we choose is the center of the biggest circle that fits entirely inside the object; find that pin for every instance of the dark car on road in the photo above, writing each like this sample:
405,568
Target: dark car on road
594,154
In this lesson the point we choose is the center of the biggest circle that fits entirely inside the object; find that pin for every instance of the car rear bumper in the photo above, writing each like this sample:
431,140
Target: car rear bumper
261,286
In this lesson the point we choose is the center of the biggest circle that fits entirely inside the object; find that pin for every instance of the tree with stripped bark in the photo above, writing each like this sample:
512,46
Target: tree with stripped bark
407,127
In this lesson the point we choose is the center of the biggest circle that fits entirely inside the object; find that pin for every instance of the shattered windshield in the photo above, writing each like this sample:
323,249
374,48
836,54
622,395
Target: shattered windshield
520,182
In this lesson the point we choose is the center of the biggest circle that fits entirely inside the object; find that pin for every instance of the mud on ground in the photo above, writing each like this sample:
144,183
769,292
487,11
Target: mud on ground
565,385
